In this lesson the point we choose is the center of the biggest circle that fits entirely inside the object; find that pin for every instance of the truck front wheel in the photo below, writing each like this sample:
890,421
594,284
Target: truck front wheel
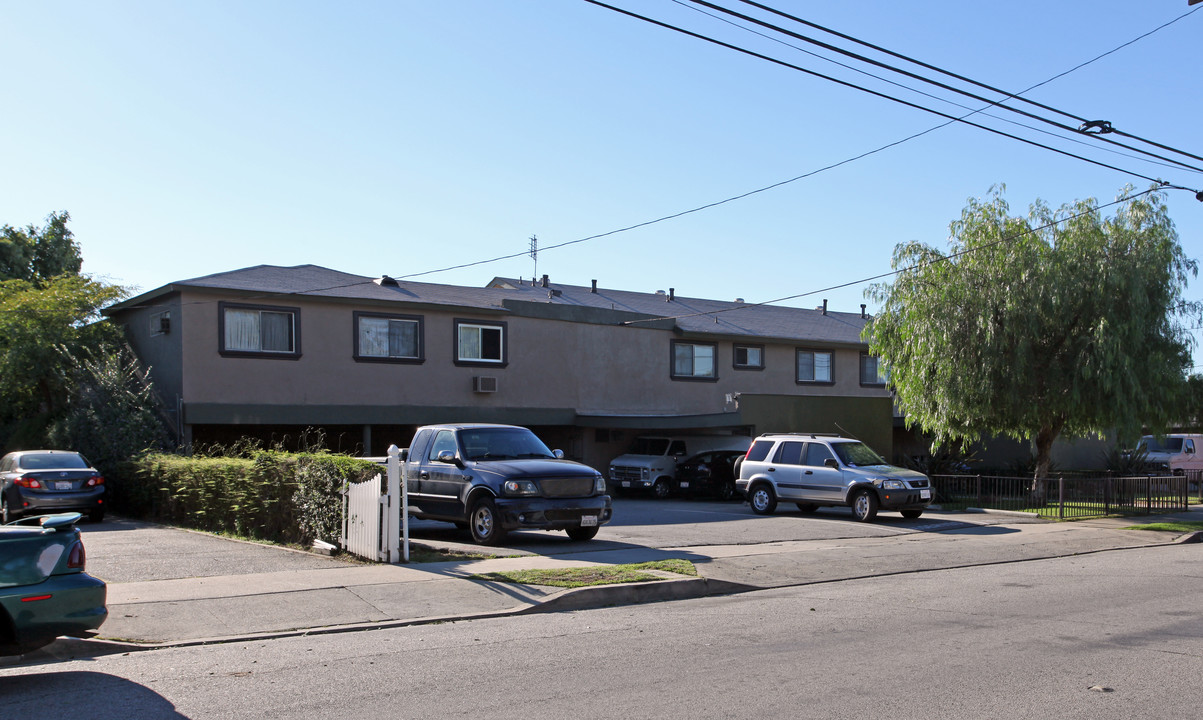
483,522
661,489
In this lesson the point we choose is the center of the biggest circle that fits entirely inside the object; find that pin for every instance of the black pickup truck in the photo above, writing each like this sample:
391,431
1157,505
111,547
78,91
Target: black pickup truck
492,479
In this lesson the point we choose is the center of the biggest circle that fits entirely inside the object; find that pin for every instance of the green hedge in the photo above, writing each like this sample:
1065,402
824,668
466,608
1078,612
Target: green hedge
283,497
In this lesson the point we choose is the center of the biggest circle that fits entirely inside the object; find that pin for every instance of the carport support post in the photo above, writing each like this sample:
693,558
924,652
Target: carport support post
397,524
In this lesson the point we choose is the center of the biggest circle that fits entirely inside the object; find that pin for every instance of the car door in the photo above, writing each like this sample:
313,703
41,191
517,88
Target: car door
786,469
413,468
440,482
821,481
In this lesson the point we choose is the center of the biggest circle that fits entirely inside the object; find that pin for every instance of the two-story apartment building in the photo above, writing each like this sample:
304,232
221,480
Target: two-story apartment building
269,351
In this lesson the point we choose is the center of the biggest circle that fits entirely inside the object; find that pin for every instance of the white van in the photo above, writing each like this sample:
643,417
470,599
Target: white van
1173,453
652,460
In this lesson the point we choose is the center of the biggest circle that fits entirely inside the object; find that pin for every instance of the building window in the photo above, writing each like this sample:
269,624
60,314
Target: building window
479,343
693,361
749,357
872,371
262,331
814,366
388,338
160,323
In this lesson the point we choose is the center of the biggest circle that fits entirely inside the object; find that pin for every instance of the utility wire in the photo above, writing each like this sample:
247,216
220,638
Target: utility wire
854,86
991,88
996,103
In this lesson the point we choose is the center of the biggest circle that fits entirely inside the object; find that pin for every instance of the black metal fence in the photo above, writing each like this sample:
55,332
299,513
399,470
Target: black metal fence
1066,497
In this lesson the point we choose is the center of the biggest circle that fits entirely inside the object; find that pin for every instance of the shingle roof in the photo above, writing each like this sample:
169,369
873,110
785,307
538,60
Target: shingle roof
691,315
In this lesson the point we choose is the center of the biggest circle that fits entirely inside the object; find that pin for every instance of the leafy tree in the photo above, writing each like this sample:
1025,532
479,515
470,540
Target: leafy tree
43,331
39,254
111,414
1061,323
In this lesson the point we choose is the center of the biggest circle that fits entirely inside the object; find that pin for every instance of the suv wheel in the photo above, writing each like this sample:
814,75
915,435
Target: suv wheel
483,522
762,499
864,506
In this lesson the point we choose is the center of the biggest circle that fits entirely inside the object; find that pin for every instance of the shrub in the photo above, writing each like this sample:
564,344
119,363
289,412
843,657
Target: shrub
277,496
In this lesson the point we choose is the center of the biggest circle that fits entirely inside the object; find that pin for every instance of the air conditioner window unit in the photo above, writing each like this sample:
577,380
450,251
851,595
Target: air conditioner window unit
484,384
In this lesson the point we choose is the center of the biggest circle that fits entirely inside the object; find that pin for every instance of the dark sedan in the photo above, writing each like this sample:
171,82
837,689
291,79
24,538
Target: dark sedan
35,482
708,473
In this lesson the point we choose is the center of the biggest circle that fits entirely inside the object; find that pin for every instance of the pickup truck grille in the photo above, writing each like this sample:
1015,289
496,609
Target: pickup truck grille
623,472
566,487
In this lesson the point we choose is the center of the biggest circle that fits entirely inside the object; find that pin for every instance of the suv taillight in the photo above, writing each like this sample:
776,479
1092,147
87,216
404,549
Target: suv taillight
78,558
28,482
94,481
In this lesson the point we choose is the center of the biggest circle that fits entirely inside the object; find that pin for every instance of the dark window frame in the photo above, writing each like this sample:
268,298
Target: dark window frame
294,354
735,359
419,319
813,351
876,371
672,361
505,343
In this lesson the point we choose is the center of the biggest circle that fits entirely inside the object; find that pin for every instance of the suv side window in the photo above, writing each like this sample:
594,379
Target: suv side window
817,454
443,442
790,453
759,450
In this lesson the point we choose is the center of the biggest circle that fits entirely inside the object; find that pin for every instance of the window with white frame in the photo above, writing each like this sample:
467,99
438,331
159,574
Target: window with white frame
479,343
259,330
395,338
693,361
749,357
872,370
814,366
160,323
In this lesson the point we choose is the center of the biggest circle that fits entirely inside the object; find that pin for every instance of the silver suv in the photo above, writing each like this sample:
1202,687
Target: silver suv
815,470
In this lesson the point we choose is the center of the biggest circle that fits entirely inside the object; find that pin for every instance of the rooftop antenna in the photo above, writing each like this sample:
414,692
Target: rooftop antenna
534,252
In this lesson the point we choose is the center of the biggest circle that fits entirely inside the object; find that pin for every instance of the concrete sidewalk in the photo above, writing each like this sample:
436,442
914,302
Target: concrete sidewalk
336,599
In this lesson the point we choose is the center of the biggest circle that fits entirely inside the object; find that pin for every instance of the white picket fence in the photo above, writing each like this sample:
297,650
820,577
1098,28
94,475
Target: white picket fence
363,520
373,526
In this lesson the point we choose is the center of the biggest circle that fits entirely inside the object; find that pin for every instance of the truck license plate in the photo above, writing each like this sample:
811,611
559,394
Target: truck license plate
588,521
925,494
684,483
60,485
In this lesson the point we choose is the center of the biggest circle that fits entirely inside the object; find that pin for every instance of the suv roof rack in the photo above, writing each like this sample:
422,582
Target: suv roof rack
809,435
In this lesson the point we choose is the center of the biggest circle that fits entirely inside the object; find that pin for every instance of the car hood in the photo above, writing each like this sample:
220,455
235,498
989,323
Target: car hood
887,471
533,468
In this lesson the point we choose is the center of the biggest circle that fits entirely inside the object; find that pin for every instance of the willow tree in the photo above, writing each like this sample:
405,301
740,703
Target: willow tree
1060,323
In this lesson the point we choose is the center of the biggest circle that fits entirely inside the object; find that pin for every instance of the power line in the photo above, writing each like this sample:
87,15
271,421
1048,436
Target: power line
1085,122
854,86
996,103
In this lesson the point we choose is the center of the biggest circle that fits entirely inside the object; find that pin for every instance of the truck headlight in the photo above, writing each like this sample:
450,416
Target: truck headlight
521,487
644,473
599,485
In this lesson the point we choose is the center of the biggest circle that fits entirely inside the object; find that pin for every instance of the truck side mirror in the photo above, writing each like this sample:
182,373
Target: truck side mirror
559,454
448,457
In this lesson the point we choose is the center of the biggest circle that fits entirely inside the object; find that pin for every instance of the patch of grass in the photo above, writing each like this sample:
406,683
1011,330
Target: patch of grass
589,576
1179,527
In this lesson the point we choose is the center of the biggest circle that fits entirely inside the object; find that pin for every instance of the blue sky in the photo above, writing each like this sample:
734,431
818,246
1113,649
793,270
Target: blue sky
404,137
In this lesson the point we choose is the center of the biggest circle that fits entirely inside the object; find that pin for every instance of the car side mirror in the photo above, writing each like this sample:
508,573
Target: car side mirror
832,463
559,454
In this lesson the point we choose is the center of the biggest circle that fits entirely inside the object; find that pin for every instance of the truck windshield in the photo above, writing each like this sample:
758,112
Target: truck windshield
857,454
1163,445
502,444
649,446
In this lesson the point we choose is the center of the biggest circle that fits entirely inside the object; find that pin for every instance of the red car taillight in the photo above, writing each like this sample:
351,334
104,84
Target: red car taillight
28,482
94,481
78,558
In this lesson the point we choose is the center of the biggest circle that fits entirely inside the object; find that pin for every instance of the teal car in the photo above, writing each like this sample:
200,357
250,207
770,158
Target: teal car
44,591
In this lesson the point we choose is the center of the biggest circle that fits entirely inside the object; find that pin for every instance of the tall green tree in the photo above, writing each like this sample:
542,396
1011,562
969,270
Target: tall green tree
1059,323
39,254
